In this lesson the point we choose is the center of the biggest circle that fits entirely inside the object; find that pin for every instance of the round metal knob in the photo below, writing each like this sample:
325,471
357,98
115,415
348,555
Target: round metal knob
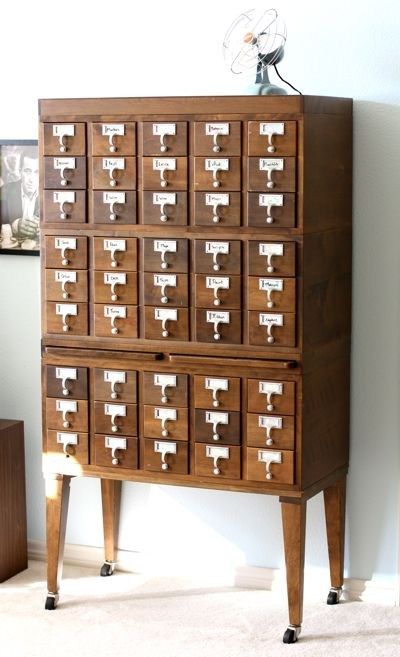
113,217
64,261
270,269
164,466
165,334
65,392
66,425
217,302
216,219
270,220
164,399
215,403
270,442
63,149
164,183
114,297
64,182
217,471
217,336
164,265
270,304
164,433
113,183
114,263
63,215
164,299
114,428
114,330
115,461
270,407
164,218
113,149
270,184
216,149
271,340
216,183
271,149
114,395
216,267
65,295
216,436
65,328
163,149
269,475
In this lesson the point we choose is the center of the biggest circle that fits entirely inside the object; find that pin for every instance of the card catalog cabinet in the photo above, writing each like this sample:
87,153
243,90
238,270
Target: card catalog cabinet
196,277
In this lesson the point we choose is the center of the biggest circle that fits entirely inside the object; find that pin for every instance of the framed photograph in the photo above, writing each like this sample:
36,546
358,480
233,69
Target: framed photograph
19,197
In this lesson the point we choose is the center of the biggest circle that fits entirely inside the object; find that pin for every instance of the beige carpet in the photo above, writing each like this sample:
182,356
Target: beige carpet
130,616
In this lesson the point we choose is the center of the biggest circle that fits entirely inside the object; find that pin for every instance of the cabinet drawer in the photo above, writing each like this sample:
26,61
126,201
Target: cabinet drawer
166,423
212,256
110,385
166,323
67,414
116,451
271,210
276,397
217,173
217,209
64,139
113,139
166,289
219,326
278,294
167,389
272,329
164,173
217,461
115,287
277,174
115,253
165,138
68,445
62,285
67,318
115,418
272,258
270,465
114,172
115,321
217,392
68,382
219,427
165,208
166,456
165,255
270,431
66,252
114,207
217,138
64,172
215,290
64,207
273,137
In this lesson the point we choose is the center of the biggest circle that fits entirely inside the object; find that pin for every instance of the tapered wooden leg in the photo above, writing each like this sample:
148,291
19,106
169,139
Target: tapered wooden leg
294,535
111,501
57,498
335,507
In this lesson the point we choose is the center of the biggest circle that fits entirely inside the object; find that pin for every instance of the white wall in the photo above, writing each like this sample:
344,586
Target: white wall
173,48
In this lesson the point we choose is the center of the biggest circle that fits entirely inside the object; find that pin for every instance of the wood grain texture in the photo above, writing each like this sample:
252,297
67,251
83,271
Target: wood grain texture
57,499
228,434
76,324
229,144
71,145
74,454
283,181
225,215
176,255
177,429
278,404
335,516
127,458
124,255
280,216
294,534
284,335
74,421
281,265
282,473
175,214
229,468
177,330
126,424
111,503
224,400
74,178
228,263
178,463
126,293
206,331
121,145
229,298
283,144
176,179
59,287
283,438
125,392
176,143
59,255
121,213
228,180
121,178
70,213
174,295
77,387
176,395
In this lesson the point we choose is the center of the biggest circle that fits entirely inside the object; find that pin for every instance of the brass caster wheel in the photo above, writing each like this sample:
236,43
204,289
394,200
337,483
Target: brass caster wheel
292,634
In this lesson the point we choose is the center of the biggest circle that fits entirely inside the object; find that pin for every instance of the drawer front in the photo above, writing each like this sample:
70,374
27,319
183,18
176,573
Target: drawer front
114,172
221,291
165,289
115,418
219,326
218,427
115,287
67,318
208,463
65,172
271,210
68,445
272,174
217,173
114,208
270,470
166,323
270,431
165,255
217,256
166,423
272,329
115,321
277,397
217,138
165,389
222,393
164,173
116,452
64,285
64,139
165,208
111,385
276,294
64,414
272,258
113,139
66,382
115,253
64,207
166,456
272,138
65,252
169,139
217,209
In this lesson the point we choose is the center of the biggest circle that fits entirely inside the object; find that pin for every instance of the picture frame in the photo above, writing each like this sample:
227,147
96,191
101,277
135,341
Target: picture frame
19,197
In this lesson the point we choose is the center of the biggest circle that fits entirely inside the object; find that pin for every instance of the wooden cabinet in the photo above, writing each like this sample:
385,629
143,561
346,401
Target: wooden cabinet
196,304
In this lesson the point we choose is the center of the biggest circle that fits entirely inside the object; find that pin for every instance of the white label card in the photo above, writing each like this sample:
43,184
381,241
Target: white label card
67,438
112,442
220,164
108,129
66,406
270,284
115,409
274,249
161,246
64,163
65,276
267,422
64,130
166,313
160,129
270,388
66,373
65,309
111,376
217,452
217,247
217,128
217,384
217,282
213,417
115,311
65,243
114,279
114,245
272,129
271,164
165,413
64,197
164,199
270,200
268,456
164,163
214,316
164,447
268,319
217,199
167,280
110,163
167,380
114,197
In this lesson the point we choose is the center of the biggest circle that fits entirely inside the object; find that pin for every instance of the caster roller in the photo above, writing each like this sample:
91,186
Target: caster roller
334,595
292,634
107,569
51,601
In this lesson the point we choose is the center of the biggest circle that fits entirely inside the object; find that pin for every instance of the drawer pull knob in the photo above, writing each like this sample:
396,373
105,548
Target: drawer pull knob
163,145
216,470
271,148
164,430
63,212
216,436
216,265
216,146
165,448
164,181
65,294
164,263
270,219
112,146
64,181
62,142
114,329
113,182
216,182
65,316
113,213
270,338
163,212
113,253
164,298
114,457
64,259
164,332
270,182
114,391
217,335
114,426
269,457
114,295
270,303
65,389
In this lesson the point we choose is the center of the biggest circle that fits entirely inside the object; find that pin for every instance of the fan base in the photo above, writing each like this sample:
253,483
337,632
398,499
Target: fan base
262,89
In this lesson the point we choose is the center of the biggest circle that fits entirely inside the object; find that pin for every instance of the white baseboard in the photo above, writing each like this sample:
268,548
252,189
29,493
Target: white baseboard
242,576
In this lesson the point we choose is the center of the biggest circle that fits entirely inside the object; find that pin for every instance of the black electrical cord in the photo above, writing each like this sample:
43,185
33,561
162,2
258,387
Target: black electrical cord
285,81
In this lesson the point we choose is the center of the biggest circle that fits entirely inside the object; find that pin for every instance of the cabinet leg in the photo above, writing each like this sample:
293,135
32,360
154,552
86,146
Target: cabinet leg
294,534
57,498
111,501
335,507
